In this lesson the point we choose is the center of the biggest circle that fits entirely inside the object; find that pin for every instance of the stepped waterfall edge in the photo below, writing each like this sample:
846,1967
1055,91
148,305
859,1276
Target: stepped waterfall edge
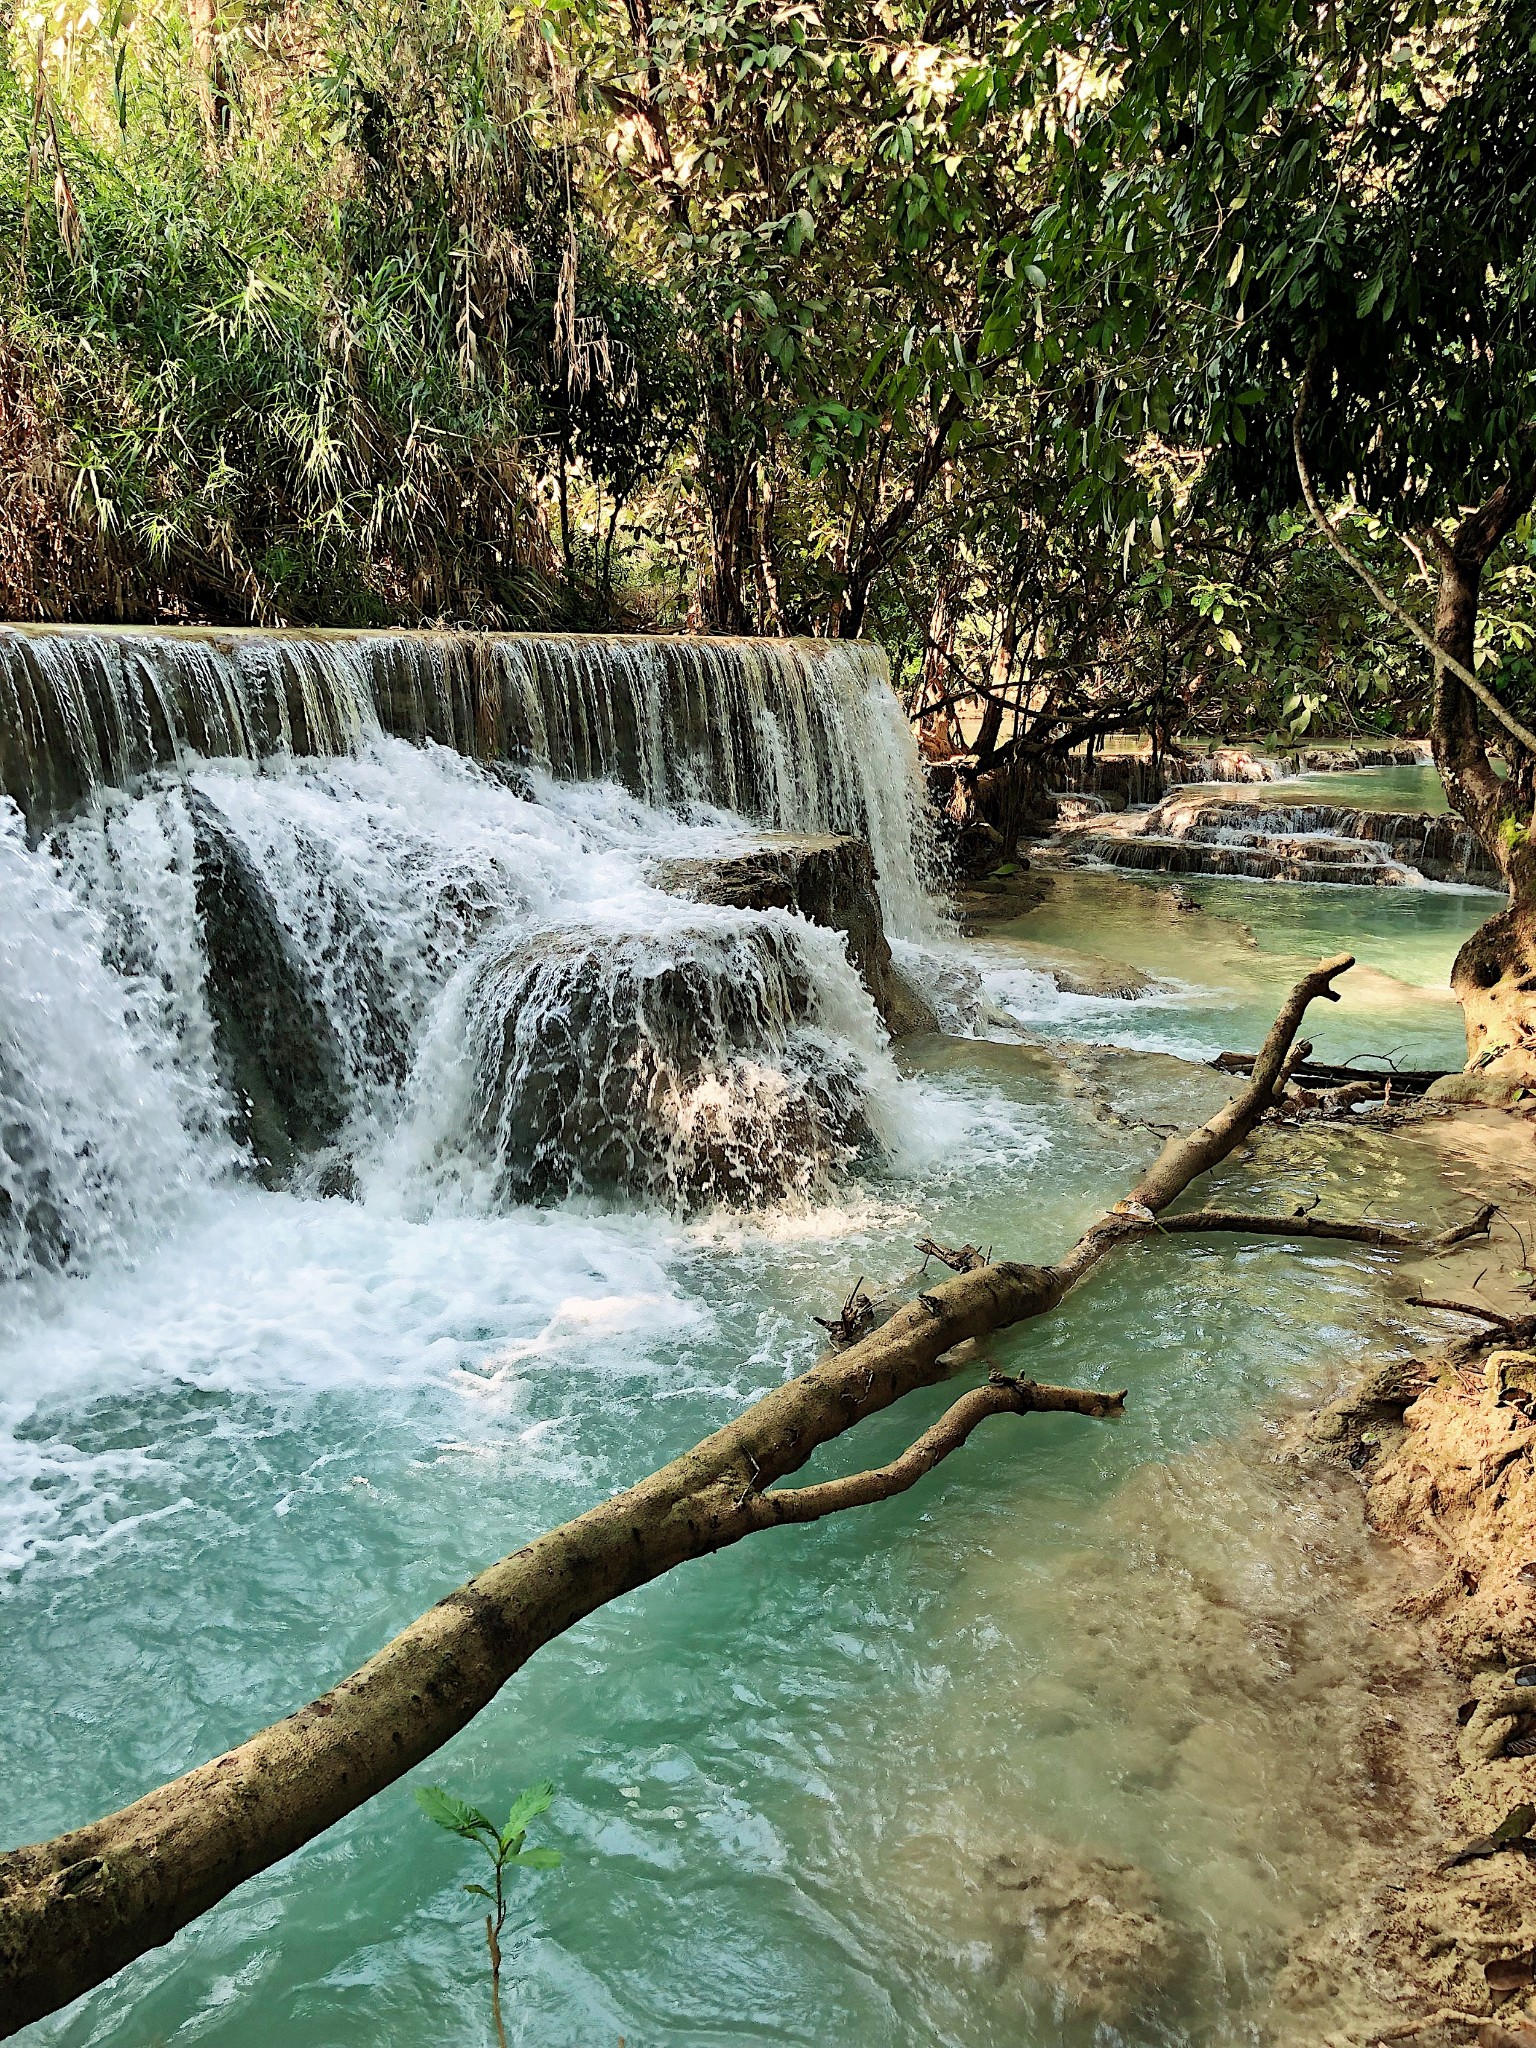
370,913
794,734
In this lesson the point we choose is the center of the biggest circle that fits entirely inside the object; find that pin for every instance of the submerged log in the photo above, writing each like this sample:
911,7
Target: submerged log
76,1909
1405,1080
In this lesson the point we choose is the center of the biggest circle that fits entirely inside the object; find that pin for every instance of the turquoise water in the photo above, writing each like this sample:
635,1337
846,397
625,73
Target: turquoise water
1371,789
793,1780
1220,971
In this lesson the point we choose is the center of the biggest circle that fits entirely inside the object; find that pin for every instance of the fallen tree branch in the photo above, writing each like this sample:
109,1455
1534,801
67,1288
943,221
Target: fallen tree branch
1390,1236
1414,1079
75,1909
1463,1308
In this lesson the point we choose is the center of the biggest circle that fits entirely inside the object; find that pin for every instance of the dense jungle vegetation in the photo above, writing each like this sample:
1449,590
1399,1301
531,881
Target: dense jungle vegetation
976,328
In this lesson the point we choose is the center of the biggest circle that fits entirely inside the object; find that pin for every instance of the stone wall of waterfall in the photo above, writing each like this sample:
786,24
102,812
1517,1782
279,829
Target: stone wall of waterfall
380,917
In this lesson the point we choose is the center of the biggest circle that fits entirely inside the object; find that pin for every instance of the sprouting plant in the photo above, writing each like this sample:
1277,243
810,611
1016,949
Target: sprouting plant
504,1846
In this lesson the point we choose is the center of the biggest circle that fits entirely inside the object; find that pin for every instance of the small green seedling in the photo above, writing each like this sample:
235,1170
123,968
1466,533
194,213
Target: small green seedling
504,1846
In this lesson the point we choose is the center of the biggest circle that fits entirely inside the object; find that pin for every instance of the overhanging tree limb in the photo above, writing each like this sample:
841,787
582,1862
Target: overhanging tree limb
76,1909
1378,590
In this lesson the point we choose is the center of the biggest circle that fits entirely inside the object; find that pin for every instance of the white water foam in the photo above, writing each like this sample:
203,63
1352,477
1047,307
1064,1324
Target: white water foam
94,1108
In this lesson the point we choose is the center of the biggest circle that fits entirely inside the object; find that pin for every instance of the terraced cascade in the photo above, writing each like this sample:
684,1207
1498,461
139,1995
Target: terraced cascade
1206,831
408,1138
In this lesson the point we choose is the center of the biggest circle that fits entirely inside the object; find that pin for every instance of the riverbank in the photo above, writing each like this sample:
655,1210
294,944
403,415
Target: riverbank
1439,1942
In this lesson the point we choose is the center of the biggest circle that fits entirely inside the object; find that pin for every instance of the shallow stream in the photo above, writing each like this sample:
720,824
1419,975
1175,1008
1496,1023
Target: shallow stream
842,1785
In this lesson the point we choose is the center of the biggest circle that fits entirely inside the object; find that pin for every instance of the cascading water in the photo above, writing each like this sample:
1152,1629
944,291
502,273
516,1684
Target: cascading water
99,1111
391,974
804,1787
798,735
291,907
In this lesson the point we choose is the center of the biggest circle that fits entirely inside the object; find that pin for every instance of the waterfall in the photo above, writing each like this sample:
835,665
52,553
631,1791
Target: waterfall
105,1118
1191,832
379,916
797,735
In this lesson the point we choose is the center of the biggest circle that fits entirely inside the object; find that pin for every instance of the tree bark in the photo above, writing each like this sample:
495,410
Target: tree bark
1494,974
212,78
76,1909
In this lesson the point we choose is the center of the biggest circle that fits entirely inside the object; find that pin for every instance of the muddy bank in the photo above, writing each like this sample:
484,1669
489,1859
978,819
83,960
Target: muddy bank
1439,1943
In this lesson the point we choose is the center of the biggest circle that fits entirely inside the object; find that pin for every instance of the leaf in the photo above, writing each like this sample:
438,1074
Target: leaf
450,1813
1511,1973
539,1859
526,1806
1516,1824
479,1891
1512,1832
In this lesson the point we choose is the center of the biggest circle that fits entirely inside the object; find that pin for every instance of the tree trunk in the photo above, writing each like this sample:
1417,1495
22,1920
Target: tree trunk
212,79
1494,974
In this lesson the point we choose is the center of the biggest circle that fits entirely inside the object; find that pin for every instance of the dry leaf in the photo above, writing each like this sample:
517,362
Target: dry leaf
1508,1974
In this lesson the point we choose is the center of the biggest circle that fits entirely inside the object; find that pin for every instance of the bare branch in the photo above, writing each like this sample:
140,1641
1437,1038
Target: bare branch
1463,1308
997,1397
1389,1236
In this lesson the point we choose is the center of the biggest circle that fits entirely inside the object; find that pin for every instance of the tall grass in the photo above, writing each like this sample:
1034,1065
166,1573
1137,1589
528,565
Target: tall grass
280,333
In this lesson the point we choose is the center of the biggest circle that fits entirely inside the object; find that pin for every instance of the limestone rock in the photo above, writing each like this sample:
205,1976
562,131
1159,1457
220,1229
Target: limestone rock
1483,1090
684,1066
828,880
283,1057
1087,1924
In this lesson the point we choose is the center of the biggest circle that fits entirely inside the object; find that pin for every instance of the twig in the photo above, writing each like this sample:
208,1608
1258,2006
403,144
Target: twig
1462,1308
1446,2017
965,1259
855,1318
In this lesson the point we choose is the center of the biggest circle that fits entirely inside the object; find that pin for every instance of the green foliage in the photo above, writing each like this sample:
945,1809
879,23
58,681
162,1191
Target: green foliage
303,367
978,330
504,1847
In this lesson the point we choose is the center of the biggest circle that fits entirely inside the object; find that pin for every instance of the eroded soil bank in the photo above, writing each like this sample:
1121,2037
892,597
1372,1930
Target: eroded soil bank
1438,1941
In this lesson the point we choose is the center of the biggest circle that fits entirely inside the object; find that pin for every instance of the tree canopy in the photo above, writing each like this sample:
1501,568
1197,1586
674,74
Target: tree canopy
976,330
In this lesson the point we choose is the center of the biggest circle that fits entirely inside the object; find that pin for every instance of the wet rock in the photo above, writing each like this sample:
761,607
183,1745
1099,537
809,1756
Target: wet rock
1481,1090
33,1230
1200,831
686,1067
1369,1414
1091,977
1087,1924
284,1059
1009,891
828,880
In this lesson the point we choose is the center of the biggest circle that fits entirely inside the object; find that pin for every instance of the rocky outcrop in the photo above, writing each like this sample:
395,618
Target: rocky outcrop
685,1067
284,1061
828,880
1343,760
1088,1925
1202,832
